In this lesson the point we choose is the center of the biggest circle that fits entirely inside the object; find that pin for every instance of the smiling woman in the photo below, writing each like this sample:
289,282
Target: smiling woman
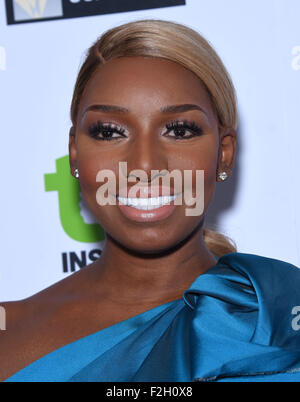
168,300
124,56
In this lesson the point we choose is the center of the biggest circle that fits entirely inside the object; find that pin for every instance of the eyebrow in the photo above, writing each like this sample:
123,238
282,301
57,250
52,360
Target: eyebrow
166,109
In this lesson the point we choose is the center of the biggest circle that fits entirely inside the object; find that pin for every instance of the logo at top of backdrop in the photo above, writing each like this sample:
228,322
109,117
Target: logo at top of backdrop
76,220
21,11
36,9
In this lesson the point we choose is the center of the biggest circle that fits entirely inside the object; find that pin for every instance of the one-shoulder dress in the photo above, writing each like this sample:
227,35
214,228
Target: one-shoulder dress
238,321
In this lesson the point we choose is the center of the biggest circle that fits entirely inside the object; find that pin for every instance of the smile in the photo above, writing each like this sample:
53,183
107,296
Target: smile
146,204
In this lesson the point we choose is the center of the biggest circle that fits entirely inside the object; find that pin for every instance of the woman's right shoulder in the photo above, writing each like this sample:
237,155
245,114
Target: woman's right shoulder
13,313
12,310
13,317
21,321
18,311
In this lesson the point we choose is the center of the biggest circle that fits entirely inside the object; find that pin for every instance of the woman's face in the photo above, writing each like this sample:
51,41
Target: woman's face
147,138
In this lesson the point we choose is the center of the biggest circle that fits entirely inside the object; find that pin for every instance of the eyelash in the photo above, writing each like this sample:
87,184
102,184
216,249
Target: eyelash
187,125
99,127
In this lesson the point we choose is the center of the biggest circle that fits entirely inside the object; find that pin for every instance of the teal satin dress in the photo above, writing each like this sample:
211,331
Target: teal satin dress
236,322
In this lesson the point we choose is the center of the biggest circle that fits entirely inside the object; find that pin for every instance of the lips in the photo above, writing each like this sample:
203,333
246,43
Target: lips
139,214
147,204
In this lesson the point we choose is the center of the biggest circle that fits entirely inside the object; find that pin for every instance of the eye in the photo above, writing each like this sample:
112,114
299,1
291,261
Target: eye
105,131
180,128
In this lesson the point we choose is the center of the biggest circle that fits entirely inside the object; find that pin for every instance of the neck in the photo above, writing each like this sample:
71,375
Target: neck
152,279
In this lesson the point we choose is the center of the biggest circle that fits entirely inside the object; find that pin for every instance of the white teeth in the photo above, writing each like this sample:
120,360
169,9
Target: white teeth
147,203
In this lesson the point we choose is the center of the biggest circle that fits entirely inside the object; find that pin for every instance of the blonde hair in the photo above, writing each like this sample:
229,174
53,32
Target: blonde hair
178,43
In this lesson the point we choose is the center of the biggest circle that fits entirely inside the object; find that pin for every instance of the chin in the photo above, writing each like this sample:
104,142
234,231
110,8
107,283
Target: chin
147,245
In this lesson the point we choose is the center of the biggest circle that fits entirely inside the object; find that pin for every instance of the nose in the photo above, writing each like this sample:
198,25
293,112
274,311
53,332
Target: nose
146,154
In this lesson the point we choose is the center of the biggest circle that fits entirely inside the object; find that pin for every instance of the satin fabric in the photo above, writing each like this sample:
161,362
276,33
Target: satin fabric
234,323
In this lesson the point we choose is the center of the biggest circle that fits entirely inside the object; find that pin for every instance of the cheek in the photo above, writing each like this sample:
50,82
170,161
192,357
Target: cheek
91,160
200,158
210,171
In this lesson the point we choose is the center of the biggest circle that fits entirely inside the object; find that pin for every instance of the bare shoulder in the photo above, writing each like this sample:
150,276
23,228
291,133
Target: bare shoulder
11,312
28,324
12,316
19,309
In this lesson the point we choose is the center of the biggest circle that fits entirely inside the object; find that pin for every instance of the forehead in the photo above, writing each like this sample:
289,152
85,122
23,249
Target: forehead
136,81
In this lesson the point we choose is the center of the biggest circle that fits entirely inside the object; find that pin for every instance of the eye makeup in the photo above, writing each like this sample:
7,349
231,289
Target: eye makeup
105,131
182,126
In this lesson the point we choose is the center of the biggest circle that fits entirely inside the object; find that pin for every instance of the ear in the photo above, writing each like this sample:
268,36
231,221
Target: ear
227,151
72,150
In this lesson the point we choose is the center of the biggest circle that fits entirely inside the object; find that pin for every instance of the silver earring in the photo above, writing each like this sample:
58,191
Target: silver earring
76,173
223,176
